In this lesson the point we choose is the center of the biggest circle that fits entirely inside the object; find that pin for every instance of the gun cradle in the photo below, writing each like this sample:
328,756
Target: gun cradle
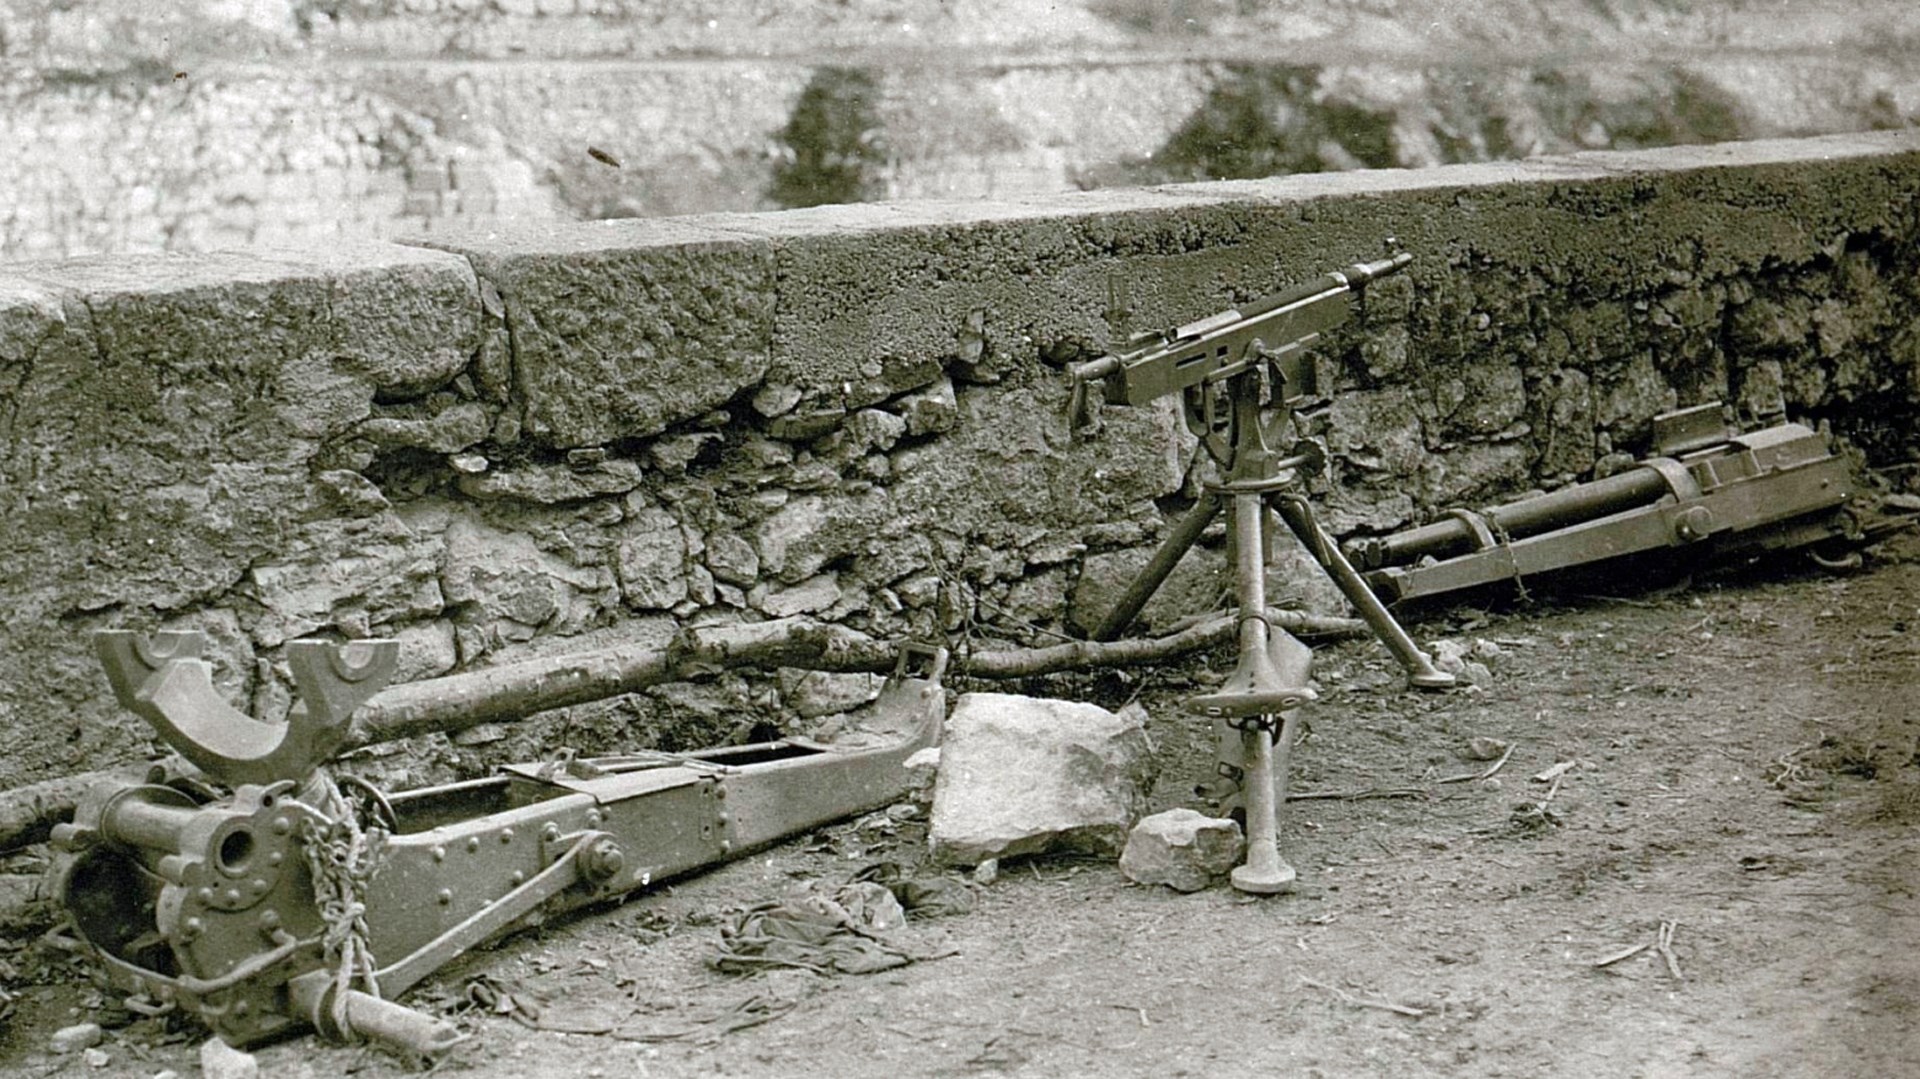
232,908
1778,488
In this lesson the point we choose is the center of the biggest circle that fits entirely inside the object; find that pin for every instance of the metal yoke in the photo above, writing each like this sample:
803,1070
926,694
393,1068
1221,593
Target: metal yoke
235,908
162,679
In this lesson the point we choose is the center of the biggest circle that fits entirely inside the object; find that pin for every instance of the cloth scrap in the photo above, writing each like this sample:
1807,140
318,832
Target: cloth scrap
843,932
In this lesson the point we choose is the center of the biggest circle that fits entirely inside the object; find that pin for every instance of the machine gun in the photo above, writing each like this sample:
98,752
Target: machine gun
1708,489
1255,710
284,905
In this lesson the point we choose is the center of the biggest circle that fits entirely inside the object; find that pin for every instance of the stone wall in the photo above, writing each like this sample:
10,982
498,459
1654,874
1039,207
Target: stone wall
525,442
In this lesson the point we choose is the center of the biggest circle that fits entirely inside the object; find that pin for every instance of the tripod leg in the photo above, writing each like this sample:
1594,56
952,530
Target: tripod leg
1141,589
1265,871
1419,666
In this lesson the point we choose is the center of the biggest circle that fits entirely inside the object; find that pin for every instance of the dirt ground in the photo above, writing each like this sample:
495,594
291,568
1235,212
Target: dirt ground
1744,771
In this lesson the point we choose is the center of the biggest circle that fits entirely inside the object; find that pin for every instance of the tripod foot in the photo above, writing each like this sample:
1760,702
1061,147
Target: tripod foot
1273,877
1432,678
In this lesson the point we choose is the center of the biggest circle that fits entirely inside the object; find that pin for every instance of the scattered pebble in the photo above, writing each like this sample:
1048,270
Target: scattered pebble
218,1060
1485,749
97,1058
75,1038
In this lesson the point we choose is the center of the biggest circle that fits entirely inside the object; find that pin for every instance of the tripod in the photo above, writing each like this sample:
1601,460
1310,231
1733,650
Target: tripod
1256,709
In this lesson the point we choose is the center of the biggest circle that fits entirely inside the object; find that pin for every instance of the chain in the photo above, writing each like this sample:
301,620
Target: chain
342,858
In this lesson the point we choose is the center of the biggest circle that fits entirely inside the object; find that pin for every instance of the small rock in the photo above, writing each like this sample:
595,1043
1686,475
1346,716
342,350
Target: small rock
921,768
218,1060
1452,656
1485,749
673,455
987,871
75,1038
1182,849
931,411
553,484
97,1058
813,594
775,399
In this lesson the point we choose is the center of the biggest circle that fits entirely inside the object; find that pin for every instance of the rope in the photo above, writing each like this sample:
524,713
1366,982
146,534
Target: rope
342,858
1513,564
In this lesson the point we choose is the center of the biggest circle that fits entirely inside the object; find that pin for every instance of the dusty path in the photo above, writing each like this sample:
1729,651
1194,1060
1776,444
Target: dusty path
1744,768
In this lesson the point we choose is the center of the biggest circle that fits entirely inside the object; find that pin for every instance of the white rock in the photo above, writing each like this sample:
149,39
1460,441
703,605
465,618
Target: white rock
922,769
218,1060
1024,775
1182,849
75,1038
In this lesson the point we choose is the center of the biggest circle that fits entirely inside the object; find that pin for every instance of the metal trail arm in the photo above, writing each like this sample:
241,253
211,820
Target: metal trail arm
226,906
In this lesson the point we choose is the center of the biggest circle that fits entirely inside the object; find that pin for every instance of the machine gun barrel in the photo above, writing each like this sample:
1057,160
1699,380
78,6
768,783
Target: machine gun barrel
1707,489
1557,509
1218,346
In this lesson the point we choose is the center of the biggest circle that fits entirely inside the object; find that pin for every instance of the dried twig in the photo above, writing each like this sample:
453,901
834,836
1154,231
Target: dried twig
1622,954
1363,1002
1553,777
1554,772
1358,795
1665,947
1617,599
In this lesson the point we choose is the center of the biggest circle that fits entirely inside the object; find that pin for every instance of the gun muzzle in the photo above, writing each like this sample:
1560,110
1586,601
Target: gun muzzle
1360,274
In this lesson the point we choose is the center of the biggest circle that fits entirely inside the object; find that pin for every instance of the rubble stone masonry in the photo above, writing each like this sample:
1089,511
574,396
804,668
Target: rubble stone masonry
516,443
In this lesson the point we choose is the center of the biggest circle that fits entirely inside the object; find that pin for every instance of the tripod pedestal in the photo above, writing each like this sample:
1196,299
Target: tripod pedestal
1255,709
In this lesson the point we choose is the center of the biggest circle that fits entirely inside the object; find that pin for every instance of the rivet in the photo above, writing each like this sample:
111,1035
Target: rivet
439,854
518,877
506,835
270,919
719,791
282,826
445,896
233,895
473,843
191,928
204,895
593,817
259,886
275,857
726,845
550,832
